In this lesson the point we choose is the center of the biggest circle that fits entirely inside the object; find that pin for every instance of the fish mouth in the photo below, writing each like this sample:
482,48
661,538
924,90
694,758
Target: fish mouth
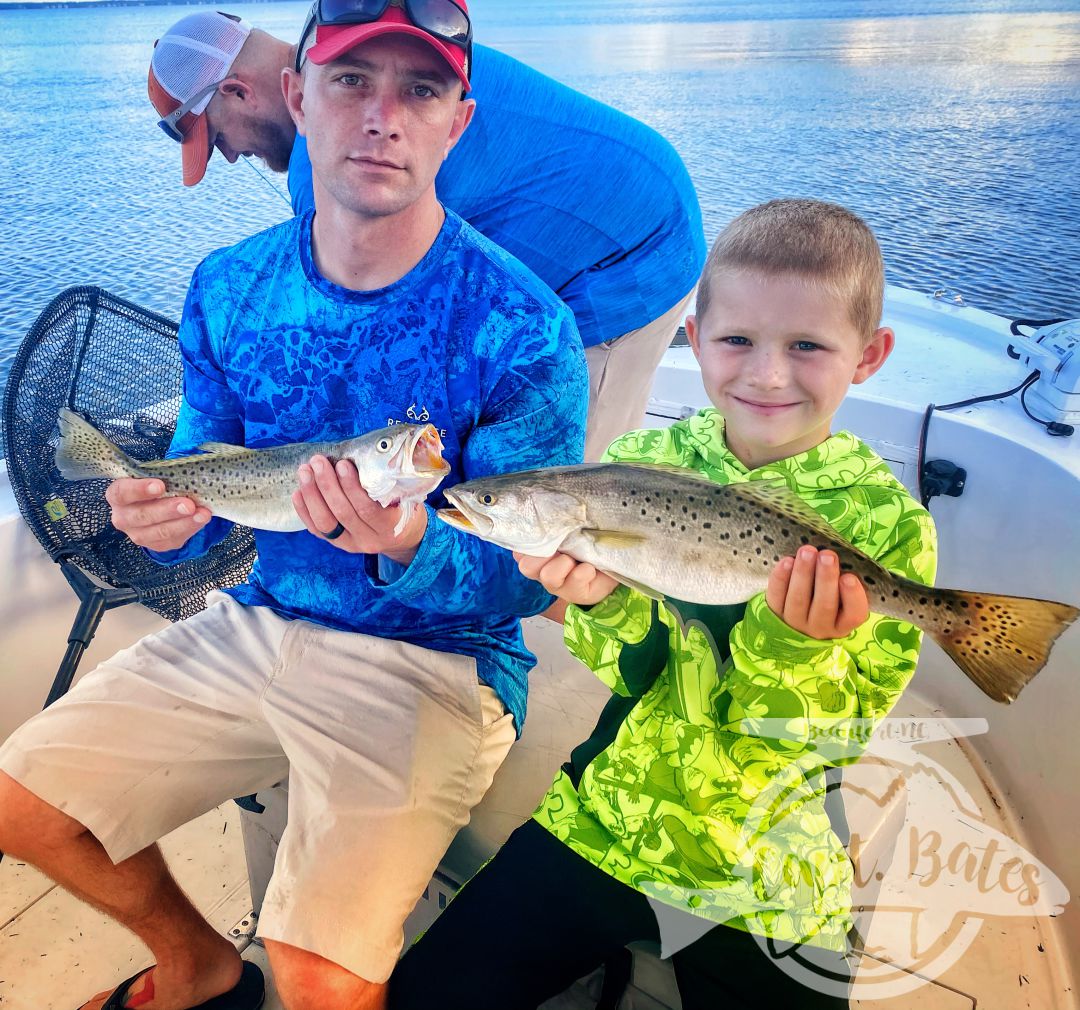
456,518
462,518
423,450
478,526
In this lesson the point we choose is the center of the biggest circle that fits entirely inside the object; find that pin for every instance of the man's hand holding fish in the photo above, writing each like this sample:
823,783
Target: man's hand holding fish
141,509
332,496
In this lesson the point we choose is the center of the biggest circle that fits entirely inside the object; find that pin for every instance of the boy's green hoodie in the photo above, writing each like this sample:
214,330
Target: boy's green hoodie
681,792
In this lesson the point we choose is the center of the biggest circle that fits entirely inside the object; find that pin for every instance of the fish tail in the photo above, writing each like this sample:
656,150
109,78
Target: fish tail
1001,642
83,453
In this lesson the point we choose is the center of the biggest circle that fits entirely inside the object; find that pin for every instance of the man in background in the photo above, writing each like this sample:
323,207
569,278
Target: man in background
596,203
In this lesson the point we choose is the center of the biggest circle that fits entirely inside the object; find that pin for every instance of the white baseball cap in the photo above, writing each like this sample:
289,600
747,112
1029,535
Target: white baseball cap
189,62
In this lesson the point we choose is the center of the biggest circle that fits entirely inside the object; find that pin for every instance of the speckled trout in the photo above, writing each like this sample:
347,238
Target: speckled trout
668,533
401,464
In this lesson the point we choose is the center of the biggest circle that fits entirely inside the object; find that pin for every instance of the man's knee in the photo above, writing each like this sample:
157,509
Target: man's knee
28,824
306,981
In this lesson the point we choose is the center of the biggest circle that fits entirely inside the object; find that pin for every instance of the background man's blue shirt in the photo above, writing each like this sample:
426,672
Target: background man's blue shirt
596,203
275,353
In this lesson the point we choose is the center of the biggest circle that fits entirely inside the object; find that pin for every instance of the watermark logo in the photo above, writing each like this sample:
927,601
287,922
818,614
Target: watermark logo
926,868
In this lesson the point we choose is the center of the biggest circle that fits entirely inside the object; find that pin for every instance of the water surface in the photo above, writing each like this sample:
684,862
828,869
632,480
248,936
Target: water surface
953,128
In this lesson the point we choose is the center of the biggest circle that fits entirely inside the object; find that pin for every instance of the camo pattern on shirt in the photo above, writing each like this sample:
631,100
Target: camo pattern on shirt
468,340
689,796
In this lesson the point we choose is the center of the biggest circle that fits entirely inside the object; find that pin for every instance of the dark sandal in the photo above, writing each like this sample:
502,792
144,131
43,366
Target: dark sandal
247,994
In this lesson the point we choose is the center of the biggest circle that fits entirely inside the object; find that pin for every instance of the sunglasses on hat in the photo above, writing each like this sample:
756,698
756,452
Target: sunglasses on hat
442,19
170,123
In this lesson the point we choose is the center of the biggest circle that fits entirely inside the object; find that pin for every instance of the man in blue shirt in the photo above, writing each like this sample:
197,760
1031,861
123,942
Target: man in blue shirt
597,204
384,675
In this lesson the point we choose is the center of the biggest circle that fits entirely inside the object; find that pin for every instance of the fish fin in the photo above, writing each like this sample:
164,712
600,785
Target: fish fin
673,468
205,451
613,538
1007,642
84,453
222,449
638,587
408,506
775,494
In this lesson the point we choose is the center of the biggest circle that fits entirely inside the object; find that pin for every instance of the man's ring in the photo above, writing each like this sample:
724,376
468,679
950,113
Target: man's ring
335,532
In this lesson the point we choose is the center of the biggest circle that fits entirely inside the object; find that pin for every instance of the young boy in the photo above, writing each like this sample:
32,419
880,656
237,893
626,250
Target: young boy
700,788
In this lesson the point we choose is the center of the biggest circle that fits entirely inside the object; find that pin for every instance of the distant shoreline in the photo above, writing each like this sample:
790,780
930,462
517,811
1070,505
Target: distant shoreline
8,5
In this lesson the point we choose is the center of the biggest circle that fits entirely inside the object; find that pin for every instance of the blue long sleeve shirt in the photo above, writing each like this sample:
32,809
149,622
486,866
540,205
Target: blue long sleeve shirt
275,353
596,203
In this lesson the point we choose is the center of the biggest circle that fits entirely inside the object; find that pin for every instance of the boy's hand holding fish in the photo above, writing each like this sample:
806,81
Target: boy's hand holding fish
572,581
148,518
809,593
330,495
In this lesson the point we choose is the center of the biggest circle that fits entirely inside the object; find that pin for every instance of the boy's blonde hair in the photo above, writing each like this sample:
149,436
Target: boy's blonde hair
823,243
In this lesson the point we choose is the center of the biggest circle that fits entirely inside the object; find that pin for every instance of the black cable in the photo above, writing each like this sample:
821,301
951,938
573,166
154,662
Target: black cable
991,396
1057,428
930,408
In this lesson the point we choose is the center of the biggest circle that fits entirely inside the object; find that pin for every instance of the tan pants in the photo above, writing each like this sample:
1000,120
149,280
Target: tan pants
387,746
621,375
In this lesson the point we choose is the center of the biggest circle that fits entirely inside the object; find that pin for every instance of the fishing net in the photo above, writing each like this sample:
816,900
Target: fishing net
119,366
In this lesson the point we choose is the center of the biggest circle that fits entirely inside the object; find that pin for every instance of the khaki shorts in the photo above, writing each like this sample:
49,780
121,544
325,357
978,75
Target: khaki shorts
386,746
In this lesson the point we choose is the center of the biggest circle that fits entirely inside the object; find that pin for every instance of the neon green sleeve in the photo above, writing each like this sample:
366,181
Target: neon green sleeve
597,636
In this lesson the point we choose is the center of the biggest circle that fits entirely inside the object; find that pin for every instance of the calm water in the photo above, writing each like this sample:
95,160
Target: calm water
952,127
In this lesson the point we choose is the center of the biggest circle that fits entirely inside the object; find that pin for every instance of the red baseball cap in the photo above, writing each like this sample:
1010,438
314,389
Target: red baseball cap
189,60
331,41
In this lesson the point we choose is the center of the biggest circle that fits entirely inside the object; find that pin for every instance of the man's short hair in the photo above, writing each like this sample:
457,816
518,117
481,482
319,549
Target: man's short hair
823,243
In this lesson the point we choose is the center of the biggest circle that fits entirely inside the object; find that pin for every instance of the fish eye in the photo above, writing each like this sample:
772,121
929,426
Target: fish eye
385,444
488,499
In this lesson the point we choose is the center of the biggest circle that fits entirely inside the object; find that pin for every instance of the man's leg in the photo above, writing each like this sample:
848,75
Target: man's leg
621,376
194,962
390,747
306,981
157,735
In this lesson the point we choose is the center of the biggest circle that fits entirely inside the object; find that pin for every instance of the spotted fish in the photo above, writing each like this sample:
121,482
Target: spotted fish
401,464
665,532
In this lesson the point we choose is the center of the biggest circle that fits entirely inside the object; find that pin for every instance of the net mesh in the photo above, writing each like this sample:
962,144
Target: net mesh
119,366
